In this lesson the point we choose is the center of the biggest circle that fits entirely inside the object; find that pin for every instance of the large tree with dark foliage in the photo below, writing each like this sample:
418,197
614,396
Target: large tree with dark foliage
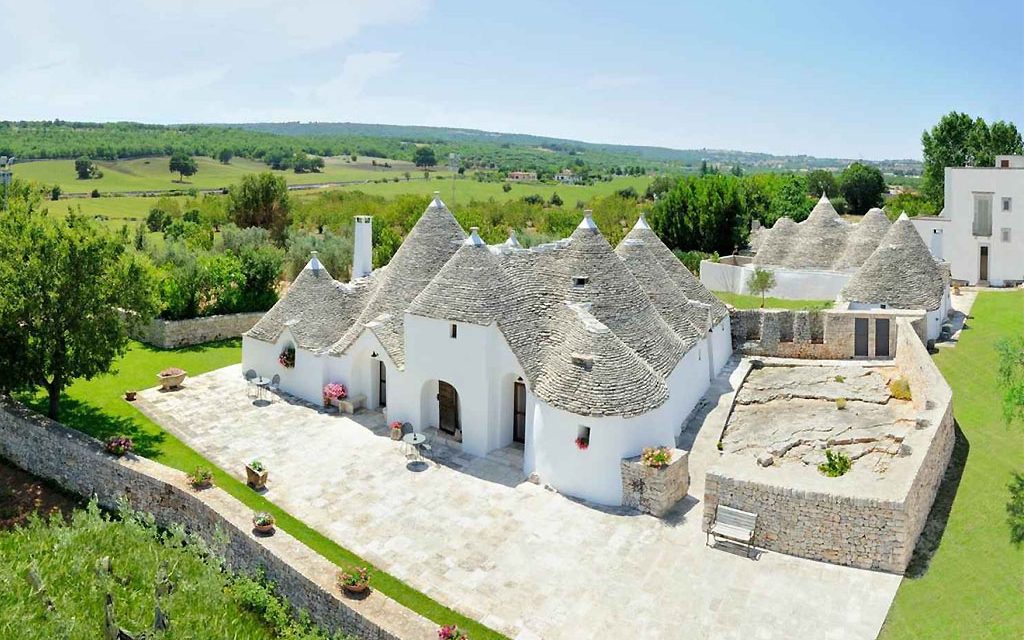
862,186
960,141
69,292
184,165
424,157
706,213
261,200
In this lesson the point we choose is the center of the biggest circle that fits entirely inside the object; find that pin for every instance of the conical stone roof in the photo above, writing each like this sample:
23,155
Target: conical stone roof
686,317
901,273
820,239
775,246
863,240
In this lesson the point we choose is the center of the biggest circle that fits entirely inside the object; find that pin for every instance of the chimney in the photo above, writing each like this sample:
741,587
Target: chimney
362,250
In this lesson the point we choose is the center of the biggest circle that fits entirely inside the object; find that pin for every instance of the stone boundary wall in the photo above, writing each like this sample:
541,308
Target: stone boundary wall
655,491
78,463
171,334
814,335
864,532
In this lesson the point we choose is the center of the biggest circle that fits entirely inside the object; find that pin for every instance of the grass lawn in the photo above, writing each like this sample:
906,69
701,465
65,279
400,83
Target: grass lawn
741,301
974,585
96,407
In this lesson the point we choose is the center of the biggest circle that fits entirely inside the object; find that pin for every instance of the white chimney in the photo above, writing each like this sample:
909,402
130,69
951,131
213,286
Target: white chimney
362,251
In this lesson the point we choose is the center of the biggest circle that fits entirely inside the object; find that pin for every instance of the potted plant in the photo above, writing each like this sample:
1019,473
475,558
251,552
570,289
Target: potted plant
656,457
171,377
200,478
119,445
333,392
130,396
582,443
287,358
256,474
354,582
451,632
396,430
263,522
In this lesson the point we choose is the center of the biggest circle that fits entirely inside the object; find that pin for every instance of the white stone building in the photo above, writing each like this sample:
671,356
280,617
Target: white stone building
980,231
501,345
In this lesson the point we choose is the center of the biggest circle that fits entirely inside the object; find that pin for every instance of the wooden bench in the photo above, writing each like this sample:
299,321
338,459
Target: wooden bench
733,525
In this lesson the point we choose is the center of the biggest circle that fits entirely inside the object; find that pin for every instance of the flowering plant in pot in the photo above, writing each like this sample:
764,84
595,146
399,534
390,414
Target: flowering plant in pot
130,395
356,581
263,522
451,632
200,478
171,377
287,358
656,457
119,445
582,443
396,430
334,391
256,474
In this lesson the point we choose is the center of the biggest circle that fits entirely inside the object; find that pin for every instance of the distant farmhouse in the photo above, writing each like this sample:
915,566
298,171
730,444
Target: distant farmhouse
522,176
980,231
566,176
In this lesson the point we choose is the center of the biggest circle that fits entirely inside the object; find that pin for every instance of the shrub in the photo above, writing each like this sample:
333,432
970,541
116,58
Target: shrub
354,578
119,445
836,464
95,193
257,466
158,219
262,519
451,632
656,457
840,403
900,388
200,477
840,379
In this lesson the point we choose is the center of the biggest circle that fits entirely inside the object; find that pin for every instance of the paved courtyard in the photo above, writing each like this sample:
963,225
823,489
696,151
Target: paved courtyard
475,535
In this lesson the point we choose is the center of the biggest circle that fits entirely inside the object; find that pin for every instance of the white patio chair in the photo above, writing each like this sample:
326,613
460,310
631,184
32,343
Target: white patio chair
275,384
250,376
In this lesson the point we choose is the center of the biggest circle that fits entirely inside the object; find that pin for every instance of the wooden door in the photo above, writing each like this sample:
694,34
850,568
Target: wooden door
983,264
447,408
519,412
860,337
382,384
882,337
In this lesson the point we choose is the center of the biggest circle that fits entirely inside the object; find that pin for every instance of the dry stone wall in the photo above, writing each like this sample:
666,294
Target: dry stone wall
77,463
171,334
655,491
841,527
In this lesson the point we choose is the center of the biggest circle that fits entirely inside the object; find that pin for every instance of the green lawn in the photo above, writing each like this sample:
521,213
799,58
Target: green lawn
974,584
469,189
96,407
741,301
140,174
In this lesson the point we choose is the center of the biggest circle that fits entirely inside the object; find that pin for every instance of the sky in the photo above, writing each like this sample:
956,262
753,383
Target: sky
838,79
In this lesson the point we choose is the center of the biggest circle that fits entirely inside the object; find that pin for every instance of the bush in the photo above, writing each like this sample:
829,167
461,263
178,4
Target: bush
656,457
157,220
334,252
691,259
95,193
899,388
836,464
840,403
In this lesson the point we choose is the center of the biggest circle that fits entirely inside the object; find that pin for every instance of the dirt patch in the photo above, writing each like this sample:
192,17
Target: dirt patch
22,494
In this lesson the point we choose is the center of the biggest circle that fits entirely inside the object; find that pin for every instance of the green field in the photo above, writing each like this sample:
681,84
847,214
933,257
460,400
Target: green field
741,301
143,174
974,585
97,407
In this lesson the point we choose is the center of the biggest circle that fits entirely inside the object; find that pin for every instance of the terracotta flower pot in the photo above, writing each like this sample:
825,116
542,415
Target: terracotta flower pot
264,528
396,434
129,396
355,588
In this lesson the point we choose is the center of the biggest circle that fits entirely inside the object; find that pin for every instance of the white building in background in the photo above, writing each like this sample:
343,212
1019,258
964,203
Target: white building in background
497,345
980,231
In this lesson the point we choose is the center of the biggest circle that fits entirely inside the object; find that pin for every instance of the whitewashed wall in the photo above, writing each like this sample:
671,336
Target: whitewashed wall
305,380
790,284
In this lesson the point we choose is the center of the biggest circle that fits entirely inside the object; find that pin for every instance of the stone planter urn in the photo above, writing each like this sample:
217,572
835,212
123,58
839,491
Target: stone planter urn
256,479
171,380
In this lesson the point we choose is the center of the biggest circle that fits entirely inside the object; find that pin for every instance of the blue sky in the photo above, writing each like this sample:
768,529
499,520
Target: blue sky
850,79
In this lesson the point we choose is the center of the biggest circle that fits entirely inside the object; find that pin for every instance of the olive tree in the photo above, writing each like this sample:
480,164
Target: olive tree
760,282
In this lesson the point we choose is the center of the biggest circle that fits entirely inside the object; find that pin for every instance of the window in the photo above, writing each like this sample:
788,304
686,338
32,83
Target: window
583,438
1007,204
1004,234
453,331
1004,164
579,281
983,214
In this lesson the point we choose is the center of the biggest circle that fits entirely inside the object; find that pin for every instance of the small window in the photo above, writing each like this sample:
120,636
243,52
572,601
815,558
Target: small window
1007,204
1005,234
1004,164
583,438
453,331
579,281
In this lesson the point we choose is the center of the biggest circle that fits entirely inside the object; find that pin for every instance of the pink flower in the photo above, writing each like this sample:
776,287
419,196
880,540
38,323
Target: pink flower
335,390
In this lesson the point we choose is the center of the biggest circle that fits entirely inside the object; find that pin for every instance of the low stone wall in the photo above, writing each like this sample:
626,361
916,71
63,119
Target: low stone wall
870,527
171,334
815,335
651,490
77,463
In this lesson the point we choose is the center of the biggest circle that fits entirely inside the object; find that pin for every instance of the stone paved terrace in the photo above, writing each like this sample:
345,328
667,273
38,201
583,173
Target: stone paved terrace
475,535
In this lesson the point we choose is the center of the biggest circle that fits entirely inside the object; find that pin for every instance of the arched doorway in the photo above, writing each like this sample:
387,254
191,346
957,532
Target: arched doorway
447,408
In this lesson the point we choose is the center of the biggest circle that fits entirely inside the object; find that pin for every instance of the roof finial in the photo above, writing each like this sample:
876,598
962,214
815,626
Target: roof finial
314,262
903,216
512,241
588,220
641,222
474,237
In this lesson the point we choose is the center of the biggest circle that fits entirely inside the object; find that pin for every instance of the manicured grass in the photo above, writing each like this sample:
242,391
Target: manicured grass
139,174
96,407
741,301
974,584
469,189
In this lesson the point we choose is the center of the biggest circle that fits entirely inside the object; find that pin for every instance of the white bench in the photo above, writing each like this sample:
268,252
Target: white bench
733,525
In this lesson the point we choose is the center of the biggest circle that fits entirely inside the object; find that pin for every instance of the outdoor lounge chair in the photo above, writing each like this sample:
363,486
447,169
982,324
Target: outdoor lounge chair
275,384
733,525
250,377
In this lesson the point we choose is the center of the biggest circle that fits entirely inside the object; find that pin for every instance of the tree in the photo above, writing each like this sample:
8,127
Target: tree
960,141
55,192
183,165
737,171
761,281
225,156
424,157
822,181
707,213
1015,509
506,187
261,200
555,200
862,186
69,293
85,169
